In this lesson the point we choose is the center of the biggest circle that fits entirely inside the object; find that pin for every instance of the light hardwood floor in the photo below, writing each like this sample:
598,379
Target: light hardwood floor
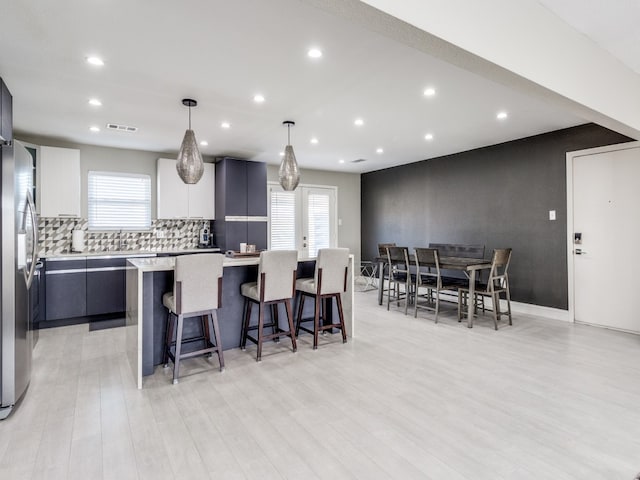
406,399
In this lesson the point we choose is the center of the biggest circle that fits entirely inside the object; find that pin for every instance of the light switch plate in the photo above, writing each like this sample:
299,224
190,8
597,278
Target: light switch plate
552,214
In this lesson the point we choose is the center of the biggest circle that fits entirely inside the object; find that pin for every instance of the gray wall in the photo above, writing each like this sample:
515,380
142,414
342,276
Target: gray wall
348,202
499,196
107,159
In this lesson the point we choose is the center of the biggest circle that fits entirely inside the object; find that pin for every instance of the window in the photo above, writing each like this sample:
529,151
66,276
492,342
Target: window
303,220
119,201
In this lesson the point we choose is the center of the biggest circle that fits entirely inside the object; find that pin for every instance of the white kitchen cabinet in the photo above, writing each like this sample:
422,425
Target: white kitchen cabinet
58,182
179,200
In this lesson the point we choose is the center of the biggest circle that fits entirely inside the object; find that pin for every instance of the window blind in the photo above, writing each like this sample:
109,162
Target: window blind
119,201
283,220
318,215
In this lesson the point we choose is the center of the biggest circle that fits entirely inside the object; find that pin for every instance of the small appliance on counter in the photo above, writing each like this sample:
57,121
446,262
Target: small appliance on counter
204,240
77,241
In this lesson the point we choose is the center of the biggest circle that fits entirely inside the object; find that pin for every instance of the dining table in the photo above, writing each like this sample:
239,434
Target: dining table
470,267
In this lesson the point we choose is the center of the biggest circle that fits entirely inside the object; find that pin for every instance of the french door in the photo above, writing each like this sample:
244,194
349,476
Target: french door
303,220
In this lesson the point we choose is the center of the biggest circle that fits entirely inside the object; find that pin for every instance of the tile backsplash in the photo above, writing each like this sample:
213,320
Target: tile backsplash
55,236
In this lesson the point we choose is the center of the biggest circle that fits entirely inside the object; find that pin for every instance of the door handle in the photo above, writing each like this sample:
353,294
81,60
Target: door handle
579,251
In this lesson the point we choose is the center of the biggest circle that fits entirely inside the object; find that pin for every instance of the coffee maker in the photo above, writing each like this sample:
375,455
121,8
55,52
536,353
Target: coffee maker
205,236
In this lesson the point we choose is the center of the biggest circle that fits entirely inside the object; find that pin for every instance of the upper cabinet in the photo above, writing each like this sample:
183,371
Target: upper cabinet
58,182
179,200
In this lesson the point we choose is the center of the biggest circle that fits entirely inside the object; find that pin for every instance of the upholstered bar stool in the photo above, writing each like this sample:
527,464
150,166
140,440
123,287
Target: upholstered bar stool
275,285
329,281
197,292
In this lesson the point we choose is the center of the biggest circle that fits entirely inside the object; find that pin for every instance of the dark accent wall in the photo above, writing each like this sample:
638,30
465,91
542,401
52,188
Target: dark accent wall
499,196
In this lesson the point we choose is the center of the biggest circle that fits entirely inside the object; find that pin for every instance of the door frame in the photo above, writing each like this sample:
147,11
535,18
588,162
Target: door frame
571,157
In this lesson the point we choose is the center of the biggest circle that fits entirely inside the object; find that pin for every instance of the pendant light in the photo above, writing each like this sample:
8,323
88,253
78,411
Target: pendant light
289,173
190,166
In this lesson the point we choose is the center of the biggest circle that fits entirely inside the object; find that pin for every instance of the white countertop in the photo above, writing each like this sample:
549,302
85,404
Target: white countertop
125,253
160,264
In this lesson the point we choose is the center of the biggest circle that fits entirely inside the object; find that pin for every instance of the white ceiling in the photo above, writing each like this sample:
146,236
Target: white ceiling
222,53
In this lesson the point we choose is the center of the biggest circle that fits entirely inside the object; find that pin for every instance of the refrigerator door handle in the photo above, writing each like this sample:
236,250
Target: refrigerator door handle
34,253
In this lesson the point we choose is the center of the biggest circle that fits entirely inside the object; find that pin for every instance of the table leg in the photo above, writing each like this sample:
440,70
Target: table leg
380,281
471,303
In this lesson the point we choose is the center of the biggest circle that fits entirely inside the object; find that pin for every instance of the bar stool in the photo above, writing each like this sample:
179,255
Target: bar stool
329,281
197,292
276,284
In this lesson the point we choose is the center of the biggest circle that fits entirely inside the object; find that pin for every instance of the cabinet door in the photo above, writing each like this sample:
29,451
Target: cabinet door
256,189
59,182
105,286
202,195
66,295
235,185
257,234
171,192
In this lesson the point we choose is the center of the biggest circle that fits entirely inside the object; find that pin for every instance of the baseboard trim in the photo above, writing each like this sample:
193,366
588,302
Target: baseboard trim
540,311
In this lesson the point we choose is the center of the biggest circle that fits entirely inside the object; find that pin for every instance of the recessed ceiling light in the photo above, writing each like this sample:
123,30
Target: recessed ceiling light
429,92
379,150
95,102
428,136
225,125
314,140
358,122
94,129
258,98
314,53
97,61
341,161
501,115
282,154
204,143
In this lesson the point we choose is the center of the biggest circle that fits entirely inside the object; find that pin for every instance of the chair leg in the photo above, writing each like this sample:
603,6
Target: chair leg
437,301
299,316
274,321
206,333
260,328
167,340
391,288
316,322
245,324
496,308
341,317
216,331
508,294
460,299
288,308
407,296
415,304
176,363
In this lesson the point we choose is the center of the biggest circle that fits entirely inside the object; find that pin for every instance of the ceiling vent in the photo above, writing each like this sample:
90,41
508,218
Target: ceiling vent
359,160
121,128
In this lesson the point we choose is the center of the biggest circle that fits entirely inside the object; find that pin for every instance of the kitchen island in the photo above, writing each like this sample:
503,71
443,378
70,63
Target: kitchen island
146,317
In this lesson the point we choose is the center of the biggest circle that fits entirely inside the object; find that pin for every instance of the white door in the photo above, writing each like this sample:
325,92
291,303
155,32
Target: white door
606,217
304,220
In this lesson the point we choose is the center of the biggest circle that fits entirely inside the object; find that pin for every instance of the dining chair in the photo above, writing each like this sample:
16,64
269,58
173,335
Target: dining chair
329,282
275,284
497,284
428,276
383,273
197,292
399,275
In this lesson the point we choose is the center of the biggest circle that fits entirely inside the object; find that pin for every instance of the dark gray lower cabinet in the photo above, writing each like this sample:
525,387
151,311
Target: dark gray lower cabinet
66,289
105,286
84,287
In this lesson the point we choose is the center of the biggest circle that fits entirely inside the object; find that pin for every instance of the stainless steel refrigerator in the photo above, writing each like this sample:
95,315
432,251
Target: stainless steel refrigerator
19,232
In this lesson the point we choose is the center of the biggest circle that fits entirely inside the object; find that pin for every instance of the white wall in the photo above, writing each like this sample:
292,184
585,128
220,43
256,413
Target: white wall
348,202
